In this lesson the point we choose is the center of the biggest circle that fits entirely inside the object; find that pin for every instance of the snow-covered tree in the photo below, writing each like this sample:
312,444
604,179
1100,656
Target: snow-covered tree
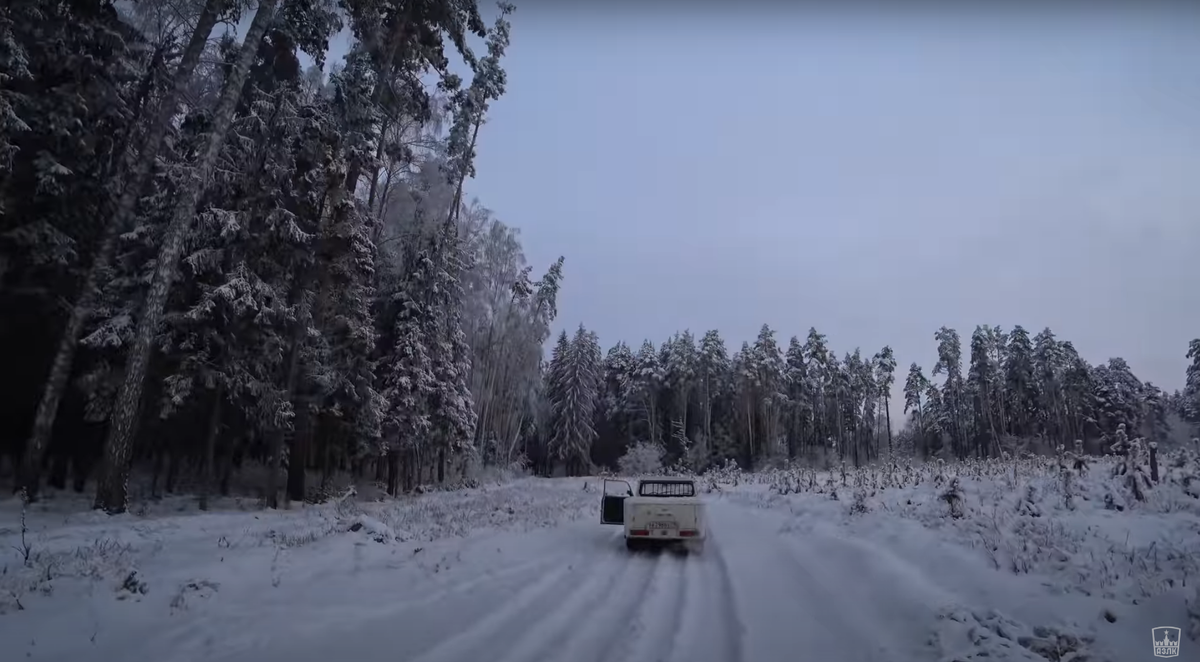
574,390
1189,403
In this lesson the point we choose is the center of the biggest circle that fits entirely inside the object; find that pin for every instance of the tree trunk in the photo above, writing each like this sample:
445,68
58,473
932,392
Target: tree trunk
298,452
378,157
1154,461
462,176
291,377
210,447
887,414
160,454
176,457
113,489
140,167
393,472
59,463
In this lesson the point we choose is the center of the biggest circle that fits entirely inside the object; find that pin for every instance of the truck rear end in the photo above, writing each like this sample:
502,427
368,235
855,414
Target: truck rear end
664,511
664,519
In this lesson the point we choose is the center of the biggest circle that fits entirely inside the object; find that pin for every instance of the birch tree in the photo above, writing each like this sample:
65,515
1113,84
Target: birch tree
132,175
112,490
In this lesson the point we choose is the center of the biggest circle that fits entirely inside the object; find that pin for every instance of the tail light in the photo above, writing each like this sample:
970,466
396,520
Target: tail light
639,532
687,533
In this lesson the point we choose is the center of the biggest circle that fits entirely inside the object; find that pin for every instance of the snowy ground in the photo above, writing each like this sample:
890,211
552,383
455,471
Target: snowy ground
523,572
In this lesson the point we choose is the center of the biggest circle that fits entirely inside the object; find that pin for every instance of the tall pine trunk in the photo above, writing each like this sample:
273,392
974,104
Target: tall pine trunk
113,488
139,167
210,445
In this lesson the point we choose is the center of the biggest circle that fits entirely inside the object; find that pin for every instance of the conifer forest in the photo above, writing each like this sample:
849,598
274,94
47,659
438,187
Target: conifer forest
231,250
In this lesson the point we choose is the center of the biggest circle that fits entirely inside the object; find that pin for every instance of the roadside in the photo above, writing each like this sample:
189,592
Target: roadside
523,570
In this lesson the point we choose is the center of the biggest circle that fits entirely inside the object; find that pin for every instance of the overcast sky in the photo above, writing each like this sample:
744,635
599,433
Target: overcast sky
875,176
871,176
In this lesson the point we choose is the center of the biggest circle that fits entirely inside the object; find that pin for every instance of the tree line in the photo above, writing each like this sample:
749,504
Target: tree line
212,254
226,253
702,406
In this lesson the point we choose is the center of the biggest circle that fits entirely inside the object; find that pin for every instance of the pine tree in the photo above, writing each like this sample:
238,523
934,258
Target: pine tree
953,389
915,387
130,178
575,381
1190,401
885,377
112,492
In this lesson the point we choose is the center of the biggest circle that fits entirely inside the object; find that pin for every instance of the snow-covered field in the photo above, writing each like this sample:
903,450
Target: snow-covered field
522,571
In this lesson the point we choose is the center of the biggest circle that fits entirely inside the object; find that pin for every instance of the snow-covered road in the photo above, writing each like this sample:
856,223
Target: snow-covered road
575,593
773,583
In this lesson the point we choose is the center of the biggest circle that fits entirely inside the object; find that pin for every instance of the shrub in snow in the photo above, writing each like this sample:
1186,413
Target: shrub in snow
1028,505
954,496
859,505
1079,461
1129,468
978,635
1066,477
476,472
642,458
132,585
1194,616
378,531
786,481
190,590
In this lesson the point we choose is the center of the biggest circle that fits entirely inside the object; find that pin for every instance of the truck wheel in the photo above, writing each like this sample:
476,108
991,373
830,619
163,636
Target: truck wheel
632,544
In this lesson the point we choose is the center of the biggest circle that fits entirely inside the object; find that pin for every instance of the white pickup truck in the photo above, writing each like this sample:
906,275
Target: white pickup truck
664,511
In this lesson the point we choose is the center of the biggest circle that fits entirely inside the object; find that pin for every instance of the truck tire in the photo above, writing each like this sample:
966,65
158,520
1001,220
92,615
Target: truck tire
633,544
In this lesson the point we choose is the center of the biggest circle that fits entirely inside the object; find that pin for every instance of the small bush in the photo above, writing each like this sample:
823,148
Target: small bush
642,458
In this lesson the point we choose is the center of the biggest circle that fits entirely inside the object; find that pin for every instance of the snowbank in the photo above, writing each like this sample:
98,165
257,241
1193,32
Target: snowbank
1069,554
58,546
1007,560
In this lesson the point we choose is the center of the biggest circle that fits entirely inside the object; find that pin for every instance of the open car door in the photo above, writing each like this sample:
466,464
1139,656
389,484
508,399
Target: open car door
612,504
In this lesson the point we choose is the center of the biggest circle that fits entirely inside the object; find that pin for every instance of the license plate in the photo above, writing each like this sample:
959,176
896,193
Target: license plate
661,525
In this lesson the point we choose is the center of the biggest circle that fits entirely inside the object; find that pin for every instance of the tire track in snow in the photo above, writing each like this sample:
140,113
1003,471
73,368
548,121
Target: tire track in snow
888,592
593,643
458,588
691,626
734,626
330,620
709,629
836,618
474,642
560,621
656,617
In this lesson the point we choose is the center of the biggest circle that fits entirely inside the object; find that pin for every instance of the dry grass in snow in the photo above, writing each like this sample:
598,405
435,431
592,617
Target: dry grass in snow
58,545
1072,530
1046,559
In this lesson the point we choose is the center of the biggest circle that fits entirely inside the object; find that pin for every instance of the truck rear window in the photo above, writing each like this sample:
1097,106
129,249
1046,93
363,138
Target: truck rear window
666,488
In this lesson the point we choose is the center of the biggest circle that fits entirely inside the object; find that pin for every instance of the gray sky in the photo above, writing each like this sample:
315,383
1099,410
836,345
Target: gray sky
873,177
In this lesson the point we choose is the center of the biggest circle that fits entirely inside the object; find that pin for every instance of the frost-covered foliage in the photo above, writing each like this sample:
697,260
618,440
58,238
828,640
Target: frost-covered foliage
572,386
283,264
212,259
642,458
1089,534
767,404
1188,403
90,553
